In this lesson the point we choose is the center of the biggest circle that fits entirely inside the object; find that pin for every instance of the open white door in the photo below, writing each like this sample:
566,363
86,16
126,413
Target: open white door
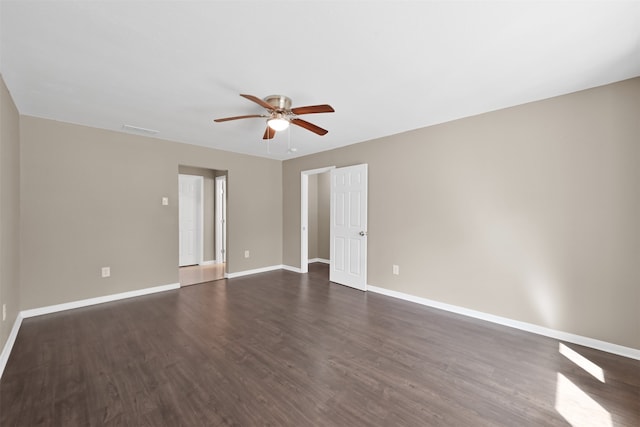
190,219
349,226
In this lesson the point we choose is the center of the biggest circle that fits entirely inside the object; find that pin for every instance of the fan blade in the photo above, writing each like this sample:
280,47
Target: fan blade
226,119
258,101
310,109
309,126
269,133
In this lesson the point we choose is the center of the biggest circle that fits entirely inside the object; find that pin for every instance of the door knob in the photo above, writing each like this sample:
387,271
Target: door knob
363,233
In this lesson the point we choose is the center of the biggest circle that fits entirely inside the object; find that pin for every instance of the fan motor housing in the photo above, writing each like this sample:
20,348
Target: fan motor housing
279,102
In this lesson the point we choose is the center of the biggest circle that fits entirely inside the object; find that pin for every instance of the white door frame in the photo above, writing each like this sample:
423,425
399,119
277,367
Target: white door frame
304,215
221,219
200,210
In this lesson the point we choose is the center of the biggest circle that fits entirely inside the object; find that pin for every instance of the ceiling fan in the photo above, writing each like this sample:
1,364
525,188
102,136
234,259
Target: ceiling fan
280,114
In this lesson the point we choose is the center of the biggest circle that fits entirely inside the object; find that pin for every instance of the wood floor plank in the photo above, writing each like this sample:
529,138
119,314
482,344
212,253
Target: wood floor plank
285,349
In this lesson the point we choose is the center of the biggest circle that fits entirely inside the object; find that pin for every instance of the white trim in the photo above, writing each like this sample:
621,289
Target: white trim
201,220
318,171
629,352
294,269
254,271
8,346
210,262
304,215
262,270
322,260
220,218
98,300
304,222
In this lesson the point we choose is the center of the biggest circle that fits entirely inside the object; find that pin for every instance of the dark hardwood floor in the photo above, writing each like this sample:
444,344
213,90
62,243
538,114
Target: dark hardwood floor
283,349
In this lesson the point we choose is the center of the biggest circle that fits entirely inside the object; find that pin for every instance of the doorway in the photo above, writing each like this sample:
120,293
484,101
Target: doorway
348,224
207,238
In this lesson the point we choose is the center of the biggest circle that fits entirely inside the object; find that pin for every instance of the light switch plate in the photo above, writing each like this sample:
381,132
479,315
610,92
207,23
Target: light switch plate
165,201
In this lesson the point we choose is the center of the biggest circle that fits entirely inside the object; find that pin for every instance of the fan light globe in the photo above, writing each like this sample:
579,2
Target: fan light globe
278,124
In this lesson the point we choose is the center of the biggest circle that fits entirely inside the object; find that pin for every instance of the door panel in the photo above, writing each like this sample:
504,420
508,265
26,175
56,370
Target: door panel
190,219
349,226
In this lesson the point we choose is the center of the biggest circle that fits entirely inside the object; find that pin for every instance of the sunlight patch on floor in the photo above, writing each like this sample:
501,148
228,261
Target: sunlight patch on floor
583,362
578,408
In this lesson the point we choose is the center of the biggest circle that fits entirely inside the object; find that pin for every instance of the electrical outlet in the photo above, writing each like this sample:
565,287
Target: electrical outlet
165,201
246,254
106,272
4,312
396,269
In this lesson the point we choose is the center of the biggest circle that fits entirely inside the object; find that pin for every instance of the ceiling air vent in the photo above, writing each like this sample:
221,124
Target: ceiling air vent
139,129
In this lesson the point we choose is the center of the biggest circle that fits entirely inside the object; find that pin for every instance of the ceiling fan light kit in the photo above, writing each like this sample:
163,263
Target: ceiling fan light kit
278,123
280,114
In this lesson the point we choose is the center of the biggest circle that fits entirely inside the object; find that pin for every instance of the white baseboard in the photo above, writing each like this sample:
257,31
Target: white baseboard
254,271
620,350
8,346
210,262
322,260
262,270
98,300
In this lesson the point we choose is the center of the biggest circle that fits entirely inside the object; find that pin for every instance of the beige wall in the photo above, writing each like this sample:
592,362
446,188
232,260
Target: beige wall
9,211
324,201
318,216
529,213
208,208
92,198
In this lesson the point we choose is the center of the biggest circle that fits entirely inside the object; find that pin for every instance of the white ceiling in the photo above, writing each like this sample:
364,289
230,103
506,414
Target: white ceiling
385,66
